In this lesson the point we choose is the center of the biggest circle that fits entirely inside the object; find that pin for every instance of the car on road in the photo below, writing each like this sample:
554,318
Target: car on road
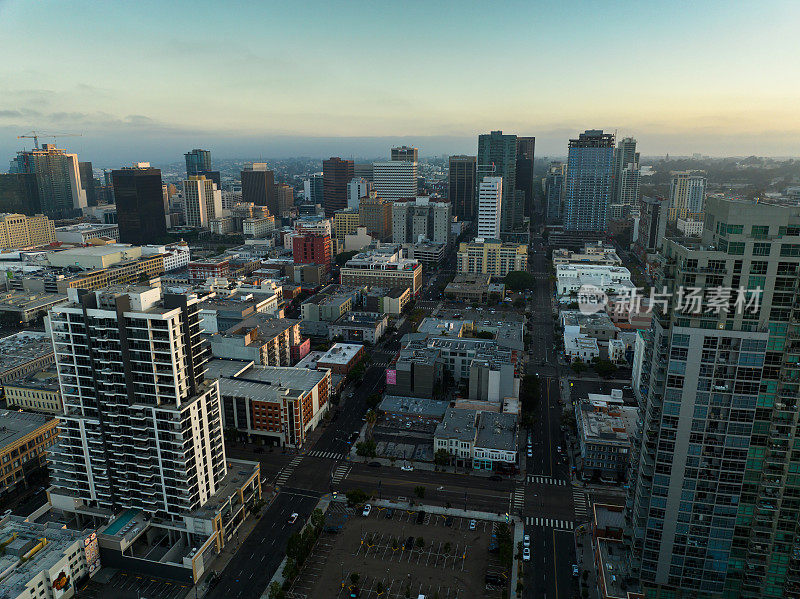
374,464
367,510
529,453
558,449
526,554
406,468
448,521
575,569
293,518
526,540
473,524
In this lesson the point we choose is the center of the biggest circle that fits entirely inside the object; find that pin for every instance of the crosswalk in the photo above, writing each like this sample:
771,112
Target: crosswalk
581,505
549,523
284,474
328,455
380,364
516,500
546,480
341,472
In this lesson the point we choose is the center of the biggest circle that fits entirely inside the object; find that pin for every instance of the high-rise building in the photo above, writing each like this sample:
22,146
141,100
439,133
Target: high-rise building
500,151
589,181
554,193
363,170
202,201
197,162
490,207
395,179
626,173
312,248
87,182
687,195
423,218
525,183
141,428
58,179
345,222
652,227
19,194
713,507
21,231
313,190
357,188
140,204
258,186
336,174
375,213
405,154
284,198
462,186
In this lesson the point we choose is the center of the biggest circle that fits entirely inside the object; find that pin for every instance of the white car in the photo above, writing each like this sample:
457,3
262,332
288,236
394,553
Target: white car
405,468
526,540
526,554
293,518
473,524
367,510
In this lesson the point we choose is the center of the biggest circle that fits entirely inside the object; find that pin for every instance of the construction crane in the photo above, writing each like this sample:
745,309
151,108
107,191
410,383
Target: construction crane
35,135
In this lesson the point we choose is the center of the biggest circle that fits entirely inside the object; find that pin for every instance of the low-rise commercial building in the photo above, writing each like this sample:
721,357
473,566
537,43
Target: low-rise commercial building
217,267
613,280
605,429
42,561
176,255
428,253
274,405
341,358
359,327
593,253
382,270
260,338
82,233
345,222
469,287
690,228
37,392
24,353
21,307
24,441
324,307
429,411
478,439
492,257
580,347
388,301
222,312
259,227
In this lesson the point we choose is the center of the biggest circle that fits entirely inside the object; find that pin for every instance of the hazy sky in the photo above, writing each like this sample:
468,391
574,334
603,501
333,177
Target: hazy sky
149,80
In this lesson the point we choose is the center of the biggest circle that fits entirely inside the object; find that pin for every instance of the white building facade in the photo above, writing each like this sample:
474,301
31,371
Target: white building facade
490,204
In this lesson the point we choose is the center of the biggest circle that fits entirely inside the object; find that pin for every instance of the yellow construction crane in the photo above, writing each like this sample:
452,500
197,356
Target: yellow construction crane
35,135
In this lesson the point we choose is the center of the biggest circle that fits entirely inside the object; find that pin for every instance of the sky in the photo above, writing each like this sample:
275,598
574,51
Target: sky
149,80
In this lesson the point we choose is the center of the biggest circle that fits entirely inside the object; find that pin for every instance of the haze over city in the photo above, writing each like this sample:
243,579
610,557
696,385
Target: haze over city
320,78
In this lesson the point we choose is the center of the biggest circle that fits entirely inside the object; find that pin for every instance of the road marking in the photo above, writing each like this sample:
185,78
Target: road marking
328,455
286,473
516,500
546,480
580,503
549,523
340,473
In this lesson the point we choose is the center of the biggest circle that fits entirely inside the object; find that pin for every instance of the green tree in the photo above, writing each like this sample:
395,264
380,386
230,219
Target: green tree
519,302
419,491
519,280
275,591
441,457
354,577
578,366
344,257
317,519
420,542
366,448
373,400
355,496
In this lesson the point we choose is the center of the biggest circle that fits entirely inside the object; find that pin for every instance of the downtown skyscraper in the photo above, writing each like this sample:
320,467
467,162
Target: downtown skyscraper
714,498
627,175
500,151
58,179
462,186
139,197
589,182
336,174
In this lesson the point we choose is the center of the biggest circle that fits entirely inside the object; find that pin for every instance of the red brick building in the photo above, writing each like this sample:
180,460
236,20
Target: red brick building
312,248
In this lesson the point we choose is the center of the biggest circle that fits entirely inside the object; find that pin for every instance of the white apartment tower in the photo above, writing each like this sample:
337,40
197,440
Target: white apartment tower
141,427
202,201
395,179
357,188
490,204
687,196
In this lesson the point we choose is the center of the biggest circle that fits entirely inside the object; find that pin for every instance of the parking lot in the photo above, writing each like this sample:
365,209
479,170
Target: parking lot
396,553
124,585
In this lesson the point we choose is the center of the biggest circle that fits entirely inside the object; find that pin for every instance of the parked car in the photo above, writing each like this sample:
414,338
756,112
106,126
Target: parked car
448,521
374,464
293,518
575,571
526,540
472,524
367,510
389,513
405,468
526,554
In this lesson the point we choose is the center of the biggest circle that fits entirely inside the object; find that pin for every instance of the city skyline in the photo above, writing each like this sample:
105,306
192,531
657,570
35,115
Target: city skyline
282,91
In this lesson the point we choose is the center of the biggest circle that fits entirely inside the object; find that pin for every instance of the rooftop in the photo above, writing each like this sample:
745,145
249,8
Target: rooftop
28,300
268,326
44,380
341,353
457,424
497,431
270,383
414,406
360,319
582,319
16,425
23,347
25,537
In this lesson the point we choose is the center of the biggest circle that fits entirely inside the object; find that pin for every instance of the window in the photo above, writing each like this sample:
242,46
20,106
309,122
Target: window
761,249
735,229
736,248
790,249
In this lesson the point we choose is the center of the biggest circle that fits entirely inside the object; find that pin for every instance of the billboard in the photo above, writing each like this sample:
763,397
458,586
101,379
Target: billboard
391,377
91,552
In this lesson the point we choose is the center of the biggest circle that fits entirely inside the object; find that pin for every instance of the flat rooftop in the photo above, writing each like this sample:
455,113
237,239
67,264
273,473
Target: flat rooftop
414,406
341,353
23,347
457,424
360,319
497,431
43,380
270,383
28,300
16,425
